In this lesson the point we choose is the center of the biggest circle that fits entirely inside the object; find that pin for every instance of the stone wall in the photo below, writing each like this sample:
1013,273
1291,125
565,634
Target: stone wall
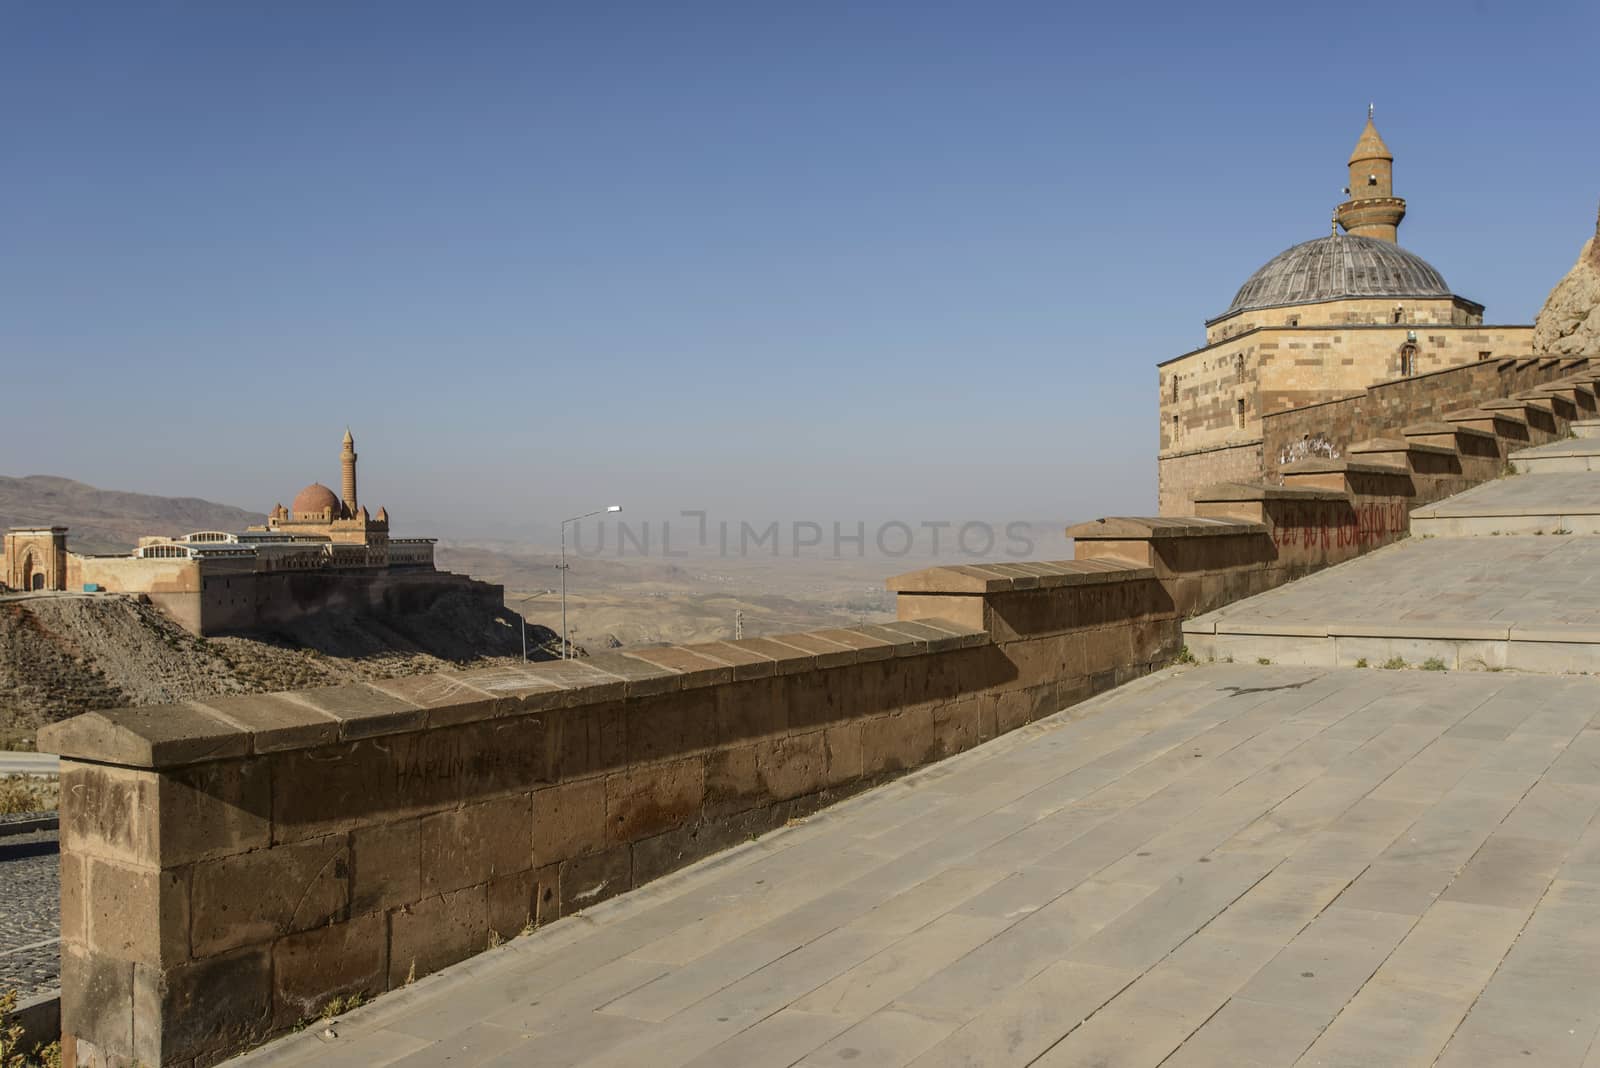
1388,407
1274,369
230,866
1330,429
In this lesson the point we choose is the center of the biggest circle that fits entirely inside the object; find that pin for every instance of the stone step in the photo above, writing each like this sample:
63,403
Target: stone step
1547,502
1570,454
1454,646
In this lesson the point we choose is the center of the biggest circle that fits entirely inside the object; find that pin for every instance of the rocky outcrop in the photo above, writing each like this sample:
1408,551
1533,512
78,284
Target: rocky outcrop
1569,323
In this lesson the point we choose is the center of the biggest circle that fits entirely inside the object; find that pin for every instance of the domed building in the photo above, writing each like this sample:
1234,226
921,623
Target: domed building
320,514
1322,320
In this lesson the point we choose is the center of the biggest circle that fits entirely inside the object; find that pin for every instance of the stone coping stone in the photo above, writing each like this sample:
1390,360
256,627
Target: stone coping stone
1518,402
1436,427
1255,491
1468,414
1321,465
977,579
1396,445
1141,528
220,728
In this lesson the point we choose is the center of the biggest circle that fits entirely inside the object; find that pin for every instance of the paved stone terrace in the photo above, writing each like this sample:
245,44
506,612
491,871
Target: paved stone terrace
1527,580
1221,865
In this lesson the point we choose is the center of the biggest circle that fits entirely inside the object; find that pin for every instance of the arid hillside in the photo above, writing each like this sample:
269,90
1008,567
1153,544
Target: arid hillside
64,654
104,521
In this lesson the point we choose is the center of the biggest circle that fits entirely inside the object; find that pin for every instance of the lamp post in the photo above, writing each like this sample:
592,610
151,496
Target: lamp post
566,646
523,616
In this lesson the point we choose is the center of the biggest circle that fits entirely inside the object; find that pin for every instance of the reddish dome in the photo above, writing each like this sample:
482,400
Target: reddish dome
313,500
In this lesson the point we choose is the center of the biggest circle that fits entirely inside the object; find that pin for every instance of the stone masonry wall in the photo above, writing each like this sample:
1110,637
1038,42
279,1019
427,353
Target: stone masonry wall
1387,407
230,866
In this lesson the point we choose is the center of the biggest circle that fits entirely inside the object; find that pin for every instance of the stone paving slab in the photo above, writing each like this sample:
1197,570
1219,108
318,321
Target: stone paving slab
1526,602
1216,865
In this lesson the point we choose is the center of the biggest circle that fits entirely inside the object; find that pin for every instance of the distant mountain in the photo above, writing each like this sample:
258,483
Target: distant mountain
105,521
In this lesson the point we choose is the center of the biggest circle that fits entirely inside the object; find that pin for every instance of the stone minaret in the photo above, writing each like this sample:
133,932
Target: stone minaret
1372,210
347,460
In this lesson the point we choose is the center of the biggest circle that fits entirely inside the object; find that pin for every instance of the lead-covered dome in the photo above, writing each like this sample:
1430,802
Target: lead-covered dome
1338,266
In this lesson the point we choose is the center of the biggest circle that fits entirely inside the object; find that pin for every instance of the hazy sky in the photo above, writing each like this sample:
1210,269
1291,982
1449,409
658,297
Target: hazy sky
825,260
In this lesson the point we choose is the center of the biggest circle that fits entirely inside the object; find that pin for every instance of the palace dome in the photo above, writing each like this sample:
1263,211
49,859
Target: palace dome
1338,266
313,500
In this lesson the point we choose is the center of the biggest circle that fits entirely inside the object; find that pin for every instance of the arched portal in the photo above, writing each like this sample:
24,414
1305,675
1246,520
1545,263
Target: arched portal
28,577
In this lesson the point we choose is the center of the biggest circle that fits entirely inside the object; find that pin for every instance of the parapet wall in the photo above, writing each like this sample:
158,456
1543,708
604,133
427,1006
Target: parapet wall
1387,407
230,866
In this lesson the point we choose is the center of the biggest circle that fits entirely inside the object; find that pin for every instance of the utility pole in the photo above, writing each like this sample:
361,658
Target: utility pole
738,624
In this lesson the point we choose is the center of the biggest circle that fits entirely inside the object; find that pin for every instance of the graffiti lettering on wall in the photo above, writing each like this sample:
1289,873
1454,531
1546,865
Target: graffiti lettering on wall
1365,525
1308,446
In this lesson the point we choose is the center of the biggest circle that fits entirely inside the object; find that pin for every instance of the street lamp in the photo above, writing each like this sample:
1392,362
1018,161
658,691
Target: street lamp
524,617
566,646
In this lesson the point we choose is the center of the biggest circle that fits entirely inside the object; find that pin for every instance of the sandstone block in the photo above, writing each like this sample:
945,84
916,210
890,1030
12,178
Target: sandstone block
897,742
842,753
962,724
750,710
792,765
137,914
97,999
451,699
436,932
273,721
74,889
386,866
471,845
155,736
593,739
569,820
212,810
653,799
670,726
362,712
589,880
547,893
110,812
256,897
205,1007
733,784
311,968
512,903
744,663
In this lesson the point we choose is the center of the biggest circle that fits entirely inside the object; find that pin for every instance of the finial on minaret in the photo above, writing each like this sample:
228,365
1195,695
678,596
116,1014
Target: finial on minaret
347,461
1369,111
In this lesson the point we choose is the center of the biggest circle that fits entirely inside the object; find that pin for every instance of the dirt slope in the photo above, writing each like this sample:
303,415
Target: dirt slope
65,654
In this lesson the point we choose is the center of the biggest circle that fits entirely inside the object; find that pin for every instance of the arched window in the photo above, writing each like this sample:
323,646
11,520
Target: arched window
1408,359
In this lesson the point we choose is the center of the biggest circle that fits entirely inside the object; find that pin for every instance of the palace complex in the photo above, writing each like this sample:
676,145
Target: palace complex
1320,321
327,551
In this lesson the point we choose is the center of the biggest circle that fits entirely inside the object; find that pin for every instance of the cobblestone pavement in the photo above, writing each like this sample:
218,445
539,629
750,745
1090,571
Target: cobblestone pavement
1222,865
30,903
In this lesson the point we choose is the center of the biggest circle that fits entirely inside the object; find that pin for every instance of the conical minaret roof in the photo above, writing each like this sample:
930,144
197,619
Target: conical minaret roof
1370,145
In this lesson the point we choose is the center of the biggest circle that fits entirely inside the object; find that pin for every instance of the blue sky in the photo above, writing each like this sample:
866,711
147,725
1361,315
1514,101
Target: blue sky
777,260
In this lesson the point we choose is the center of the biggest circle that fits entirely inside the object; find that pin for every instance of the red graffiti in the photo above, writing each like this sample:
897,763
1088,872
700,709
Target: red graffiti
1303,527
